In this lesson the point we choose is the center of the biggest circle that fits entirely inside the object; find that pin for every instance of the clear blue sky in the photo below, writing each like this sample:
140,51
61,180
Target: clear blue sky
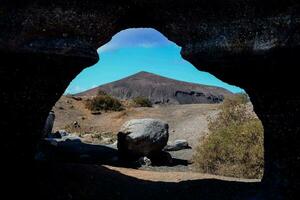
144,49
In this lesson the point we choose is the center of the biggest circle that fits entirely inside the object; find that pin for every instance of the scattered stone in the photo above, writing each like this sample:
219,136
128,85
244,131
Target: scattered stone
63,133
107,140
112,145
76,124
144,161
177,145
72,138
76,98
60,134
88,138
96,113
96,138
55,135
142,137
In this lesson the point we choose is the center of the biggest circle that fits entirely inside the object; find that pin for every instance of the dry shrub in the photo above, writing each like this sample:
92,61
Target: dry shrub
104,102
234,146
142,102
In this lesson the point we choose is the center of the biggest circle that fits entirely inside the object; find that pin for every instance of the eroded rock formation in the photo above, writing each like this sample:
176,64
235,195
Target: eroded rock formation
253,44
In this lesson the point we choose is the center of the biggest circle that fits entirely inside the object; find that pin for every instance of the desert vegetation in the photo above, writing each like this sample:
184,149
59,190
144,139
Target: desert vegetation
234,146
142,102
219,138
104,102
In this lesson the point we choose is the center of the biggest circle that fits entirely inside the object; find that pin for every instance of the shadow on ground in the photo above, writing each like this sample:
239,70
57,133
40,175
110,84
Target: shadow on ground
57,180
86,181
79,152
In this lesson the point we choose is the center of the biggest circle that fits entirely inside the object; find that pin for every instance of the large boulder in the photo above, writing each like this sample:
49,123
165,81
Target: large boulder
143,137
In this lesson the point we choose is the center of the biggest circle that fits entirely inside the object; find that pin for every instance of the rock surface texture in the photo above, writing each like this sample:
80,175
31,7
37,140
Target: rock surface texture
143,137
254,44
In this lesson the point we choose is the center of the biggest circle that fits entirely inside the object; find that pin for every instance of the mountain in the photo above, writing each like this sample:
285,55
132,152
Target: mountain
160,90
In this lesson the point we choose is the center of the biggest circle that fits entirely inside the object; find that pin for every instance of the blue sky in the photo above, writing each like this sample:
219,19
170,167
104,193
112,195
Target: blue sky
143,49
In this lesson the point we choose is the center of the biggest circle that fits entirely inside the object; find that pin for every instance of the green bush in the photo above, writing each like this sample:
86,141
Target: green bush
104,102
234,146
101,92
142,102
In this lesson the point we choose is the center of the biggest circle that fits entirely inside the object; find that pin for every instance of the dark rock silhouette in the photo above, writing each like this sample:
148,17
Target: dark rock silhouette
253,44
160,90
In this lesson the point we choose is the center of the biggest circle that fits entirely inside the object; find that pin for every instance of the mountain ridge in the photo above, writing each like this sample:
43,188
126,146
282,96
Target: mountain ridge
160,90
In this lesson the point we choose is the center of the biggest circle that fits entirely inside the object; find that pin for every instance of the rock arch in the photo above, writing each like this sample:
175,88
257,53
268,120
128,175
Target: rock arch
253,44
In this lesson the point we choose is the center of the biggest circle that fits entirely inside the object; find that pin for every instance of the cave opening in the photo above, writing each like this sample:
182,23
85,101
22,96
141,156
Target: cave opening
252,44
212,127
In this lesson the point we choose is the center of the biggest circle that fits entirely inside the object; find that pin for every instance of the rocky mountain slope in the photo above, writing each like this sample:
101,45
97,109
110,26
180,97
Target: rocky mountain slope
160,90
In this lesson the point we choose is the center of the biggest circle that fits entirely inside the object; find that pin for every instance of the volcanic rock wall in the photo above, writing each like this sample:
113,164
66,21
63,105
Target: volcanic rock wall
253,44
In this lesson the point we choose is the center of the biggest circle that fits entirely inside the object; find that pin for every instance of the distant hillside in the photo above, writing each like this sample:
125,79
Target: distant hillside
160,90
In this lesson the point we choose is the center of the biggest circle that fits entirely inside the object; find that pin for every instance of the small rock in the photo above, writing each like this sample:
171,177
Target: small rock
177,145
145,161
55,135
106,140
71,138
60,134
88,137
96,113
76,124
76,98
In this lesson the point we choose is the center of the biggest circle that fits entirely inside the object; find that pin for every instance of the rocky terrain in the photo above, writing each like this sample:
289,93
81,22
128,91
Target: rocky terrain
160,90
187,122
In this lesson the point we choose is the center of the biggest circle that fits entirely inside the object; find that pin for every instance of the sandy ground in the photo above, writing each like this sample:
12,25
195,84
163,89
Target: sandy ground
81,181
189,122
185,121
172,176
